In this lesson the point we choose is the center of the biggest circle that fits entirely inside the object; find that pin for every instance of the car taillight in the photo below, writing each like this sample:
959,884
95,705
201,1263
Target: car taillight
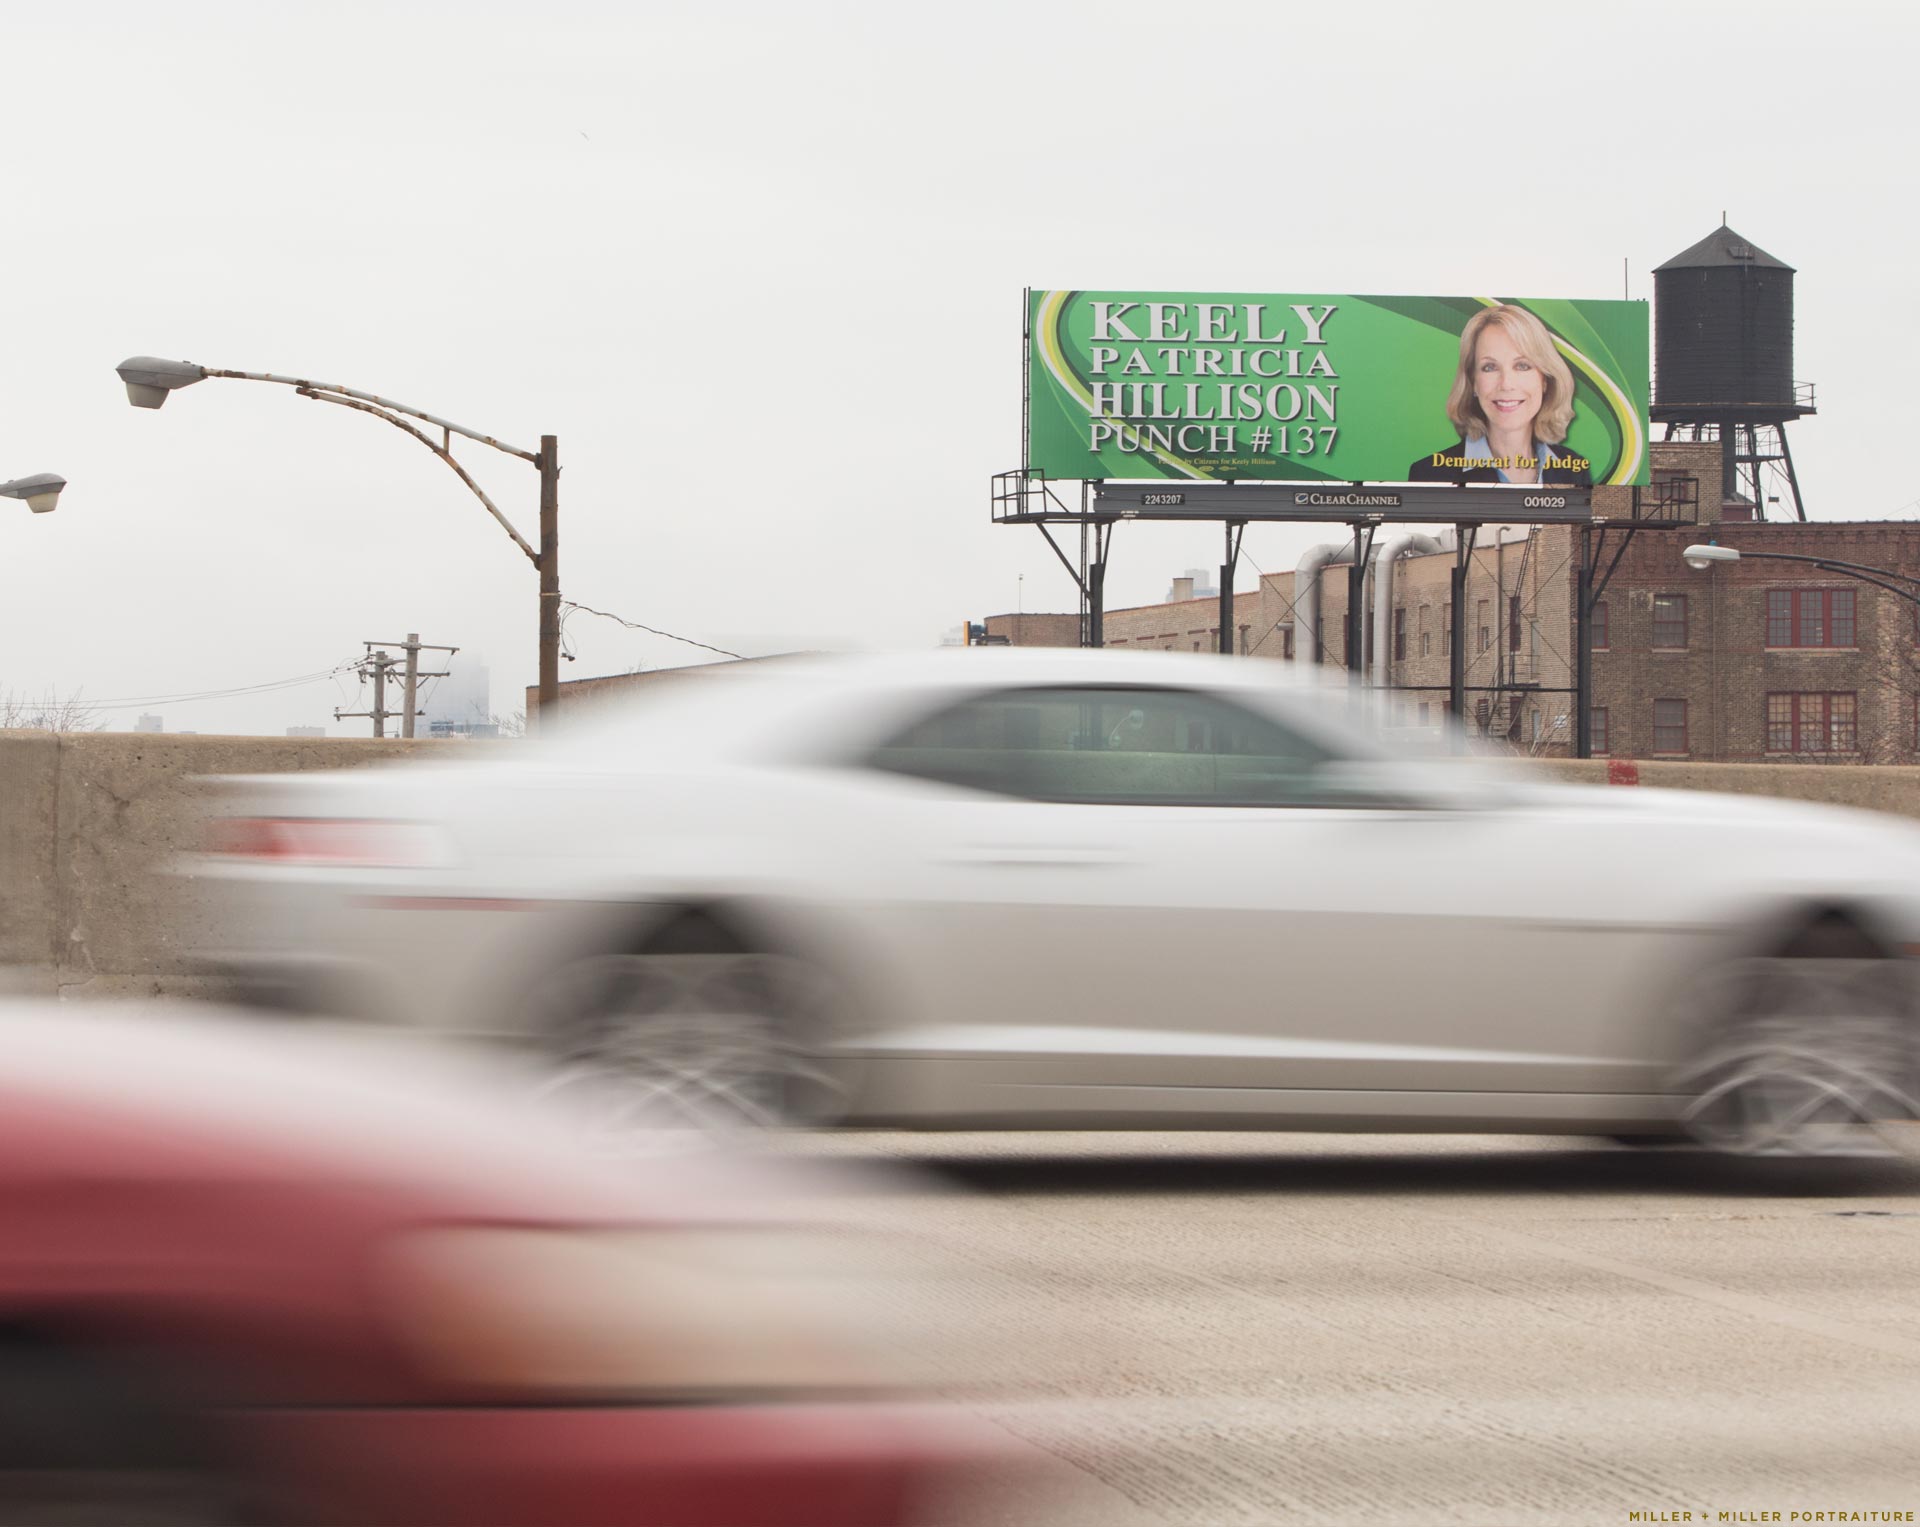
332,841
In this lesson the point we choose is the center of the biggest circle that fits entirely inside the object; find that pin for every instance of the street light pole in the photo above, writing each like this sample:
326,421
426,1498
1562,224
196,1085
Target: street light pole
150,379
549,564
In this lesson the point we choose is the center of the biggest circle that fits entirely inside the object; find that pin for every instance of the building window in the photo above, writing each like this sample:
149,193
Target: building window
1426,636
1598,627
1669,621
1480,620
1812,724
1597,731
1400,634
1286,641
1426,713
1810,617
1482,712
1446,629
1513,622
1669,726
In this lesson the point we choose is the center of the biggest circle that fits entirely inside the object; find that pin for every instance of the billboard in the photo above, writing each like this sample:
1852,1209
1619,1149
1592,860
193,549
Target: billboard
1215,386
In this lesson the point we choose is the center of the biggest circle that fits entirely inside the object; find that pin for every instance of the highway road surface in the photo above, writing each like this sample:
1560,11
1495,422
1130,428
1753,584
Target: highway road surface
1238,1328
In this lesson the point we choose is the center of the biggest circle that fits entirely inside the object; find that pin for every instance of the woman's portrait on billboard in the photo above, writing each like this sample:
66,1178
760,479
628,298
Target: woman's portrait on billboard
1512,402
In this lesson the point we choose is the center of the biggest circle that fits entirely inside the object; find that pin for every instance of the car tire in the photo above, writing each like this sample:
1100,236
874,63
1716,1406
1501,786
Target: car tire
713,1039
1807,1053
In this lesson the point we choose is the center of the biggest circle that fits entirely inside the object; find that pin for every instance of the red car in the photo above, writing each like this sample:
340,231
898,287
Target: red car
250,1275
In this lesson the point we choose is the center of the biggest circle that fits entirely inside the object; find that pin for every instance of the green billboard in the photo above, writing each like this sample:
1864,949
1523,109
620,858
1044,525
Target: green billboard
1218,386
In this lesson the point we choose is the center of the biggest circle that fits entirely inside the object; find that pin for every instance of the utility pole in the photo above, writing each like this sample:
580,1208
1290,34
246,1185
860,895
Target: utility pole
376,665
413,647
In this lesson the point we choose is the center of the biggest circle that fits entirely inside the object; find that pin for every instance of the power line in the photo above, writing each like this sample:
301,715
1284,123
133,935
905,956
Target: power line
650,630
295,682
299,678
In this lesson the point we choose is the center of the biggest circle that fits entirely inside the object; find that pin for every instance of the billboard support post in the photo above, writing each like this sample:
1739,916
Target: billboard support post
1363,532
1457,656
1235,529
1086,633
1583,650
1096,596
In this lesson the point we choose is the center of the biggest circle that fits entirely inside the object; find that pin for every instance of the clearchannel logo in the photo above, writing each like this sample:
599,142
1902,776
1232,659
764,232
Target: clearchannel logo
1349,500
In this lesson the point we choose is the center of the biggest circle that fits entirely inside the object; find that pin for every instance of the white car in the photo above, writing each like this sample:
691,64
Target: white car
1021,888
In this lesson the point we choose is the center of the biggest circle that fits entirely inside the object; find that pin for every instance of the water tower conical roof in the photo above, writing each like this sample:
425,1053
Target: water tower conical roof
1724,247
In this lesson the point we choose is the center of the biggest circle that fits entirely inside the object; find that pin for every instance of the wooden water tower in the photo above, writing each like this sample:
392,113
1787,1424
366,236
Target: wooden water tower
1723,364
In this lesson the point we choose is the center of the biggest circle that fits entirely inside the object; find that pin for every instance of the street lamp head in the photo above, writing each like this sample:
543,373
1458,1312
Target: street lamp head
149,379
1700,557
41,490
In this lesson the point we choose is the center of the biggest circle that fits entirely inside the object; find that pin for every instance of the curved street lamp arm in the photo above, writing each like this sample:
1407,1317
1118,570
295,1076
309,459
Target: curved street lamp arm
1828,564
1877,576
326,395
314,389
1861,575
1870,574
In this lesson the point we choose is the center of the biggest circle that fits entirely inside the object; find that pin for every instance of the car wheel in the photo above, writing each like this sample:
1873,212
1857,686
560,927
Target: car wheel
717,1040
1804,1055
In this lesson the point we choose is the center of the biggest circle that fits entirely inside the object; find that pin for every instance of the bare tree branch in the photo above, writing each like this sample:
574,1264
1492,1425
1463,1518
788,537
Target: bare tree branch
51,712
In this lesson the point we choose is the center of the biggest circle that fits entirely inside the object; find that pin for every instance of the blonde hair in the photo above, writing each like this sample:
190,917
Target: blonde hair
1530,338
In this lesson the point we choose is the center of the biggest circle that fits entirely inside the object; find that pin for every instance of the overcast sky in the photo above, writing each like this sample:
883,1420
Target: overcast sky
759,267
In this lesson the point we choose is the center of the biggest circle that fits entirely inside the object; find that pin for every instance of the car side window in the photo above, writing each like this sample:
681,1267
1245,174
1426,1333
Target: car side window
1165,747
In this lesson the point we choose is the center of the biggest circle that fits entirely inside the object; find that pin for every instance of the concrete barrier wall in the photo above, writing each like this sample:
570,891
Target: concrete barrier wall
1892,788
88,823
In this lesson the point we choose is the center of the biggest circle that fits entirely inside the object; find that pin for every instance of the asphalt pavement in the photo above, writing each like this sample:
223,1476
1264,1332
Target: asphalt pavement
1245,1328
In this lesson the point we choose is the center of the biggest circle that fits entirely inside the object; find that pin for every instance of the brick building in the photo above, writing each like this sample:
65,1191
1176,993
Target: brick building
1744,662
1760,660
